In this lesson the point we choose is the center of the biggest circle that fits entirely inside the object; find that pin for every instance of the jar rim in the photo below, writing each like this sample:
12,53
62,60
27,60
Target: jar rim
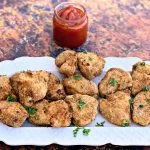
73,3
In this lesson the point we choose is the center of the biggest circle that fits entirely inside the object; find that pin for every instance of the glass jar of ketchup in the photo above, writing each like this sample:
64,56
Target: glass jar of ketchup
70,24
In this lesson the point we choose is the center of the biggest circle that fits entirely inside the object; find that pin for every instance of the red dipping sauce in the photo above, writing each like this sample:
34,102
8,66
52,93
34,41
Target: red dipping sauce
70,25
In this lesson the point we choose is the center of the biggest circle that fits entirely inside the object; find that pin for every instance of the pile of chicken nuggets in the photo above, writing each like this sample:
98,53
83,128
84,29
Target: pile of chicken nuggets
44,100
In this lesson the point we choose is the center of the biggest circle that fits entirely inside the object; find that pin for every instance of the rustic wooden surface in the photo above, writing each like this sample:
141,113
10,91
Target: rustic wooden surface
116,28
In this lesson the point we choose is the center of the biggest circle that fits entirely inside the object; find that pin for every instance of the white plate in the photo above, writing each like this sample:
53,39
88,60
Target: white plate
31,135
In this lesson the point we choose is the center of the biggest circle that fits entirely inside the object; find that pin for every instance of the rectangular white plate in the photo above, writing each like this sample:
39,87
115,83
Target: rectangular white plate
32,135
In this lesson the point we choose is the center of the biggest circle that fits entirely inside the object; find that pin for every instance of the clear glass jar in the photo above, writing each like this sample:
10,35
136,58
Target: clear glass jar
70,24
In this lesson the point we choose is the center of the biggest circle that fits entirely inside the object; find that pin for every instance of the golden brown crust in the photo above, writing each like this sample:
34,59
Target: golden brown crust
90,64
141,67
141,109
79,85
55,88
5,87
59,113
67,62
31,86
12,113
121,78
140,76
87,114
41,116
116,108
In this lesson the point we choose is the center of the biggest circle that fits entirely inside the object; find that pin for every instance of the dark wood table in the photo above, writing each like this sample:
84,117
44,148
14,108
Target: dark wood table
116,28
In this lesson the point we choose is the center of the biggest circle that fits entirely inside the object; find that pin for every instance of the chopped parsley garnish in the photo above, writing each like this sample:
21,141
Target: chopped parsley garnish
125,123
141,106
76,130
85,52
10,98
81,104
131,104
31,110
101,124
77,77
145,89
90,59
86,132
113,82
142,63
148,100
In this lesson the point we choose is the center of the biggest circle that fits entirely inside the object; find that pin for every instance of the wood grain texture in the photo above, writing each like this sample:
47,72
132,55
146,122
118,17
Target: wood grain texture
116,28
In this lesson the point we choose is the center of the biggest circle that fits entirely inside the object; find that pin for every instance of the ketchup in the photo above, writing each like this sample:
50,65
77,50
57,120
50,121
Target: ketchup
70,25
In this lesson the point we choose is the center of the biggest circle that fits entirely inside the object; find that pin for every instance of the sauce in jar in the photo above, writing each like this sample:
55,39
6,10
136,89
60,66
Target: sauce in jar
70,25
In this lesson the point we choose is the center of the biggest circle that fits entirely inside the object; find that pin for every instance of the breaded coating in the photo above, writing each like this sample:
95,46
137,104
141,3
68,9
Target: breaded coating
40,117
55,88
77,84
84,108
90,64
116,108
5,87
31,86
59,113
141,67
140,77
67,62
12,113
114,80
140,82
141,108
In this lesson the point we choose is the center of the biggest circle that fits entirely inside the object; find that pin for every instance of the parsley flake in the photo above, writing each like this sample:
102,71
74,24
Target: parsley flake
37,118
10,98
125,123
142,63
81,104
86,132
77,77
101,124
90,59
145,89
31,110
141,106
113,82
131,105
85,52
148,100
75,131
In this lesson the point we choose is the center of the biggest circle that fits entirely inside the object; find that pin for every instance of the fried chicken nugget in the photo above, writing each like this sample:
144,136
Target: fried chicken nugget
5,87
77,84
59,114
141,77
31,86
141,108
12,113
40,115
116,108
84,108
67,62
90,64
55,88
115,79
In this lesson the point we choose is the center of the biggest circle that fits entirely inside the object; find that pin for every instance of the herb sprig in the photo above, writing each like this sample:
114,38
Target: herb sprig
31,110
85,131
77,77
81,104
125,123
101,124
113,82
10,98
